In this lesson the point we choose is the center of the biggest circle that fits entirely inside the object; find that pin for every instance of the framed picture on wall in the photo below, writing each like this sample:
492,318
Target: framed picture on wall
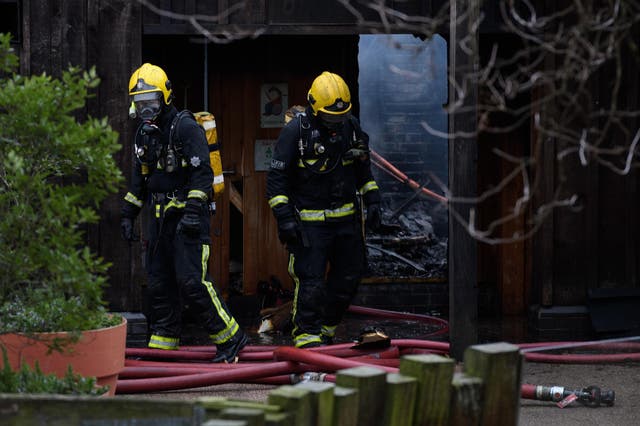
274,99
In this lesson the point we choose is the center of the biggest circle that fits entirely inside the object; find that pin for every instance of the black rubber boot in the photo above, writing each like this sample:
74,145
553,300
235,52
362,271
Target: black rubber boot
326,340
228,351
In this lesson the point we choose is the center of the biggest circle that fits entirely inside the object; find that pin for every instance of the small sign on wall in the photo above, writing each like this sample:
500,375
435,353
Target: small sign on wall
274,100
262,153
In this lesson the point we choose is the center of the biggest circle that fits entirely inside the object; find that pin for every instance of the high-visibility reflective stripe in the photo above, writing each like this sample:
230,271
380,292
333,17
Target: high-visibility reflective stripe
226,334
369,186
210,124
302,339
321,215
278,199
196,193
133,199
328,330
296,286
163,342
305,339
174,203
231,324
218,179
311,161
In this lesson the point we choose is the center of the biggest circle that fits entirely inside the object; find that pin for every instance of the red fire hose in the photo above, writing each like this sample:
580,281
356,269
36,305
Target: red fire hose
325,362
285,365
424,319
386,166
204,379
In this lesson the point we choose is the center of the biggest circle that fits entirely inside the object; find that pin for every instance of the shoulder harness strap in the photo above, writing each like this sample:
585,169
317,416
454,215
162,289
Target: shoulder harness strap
173,131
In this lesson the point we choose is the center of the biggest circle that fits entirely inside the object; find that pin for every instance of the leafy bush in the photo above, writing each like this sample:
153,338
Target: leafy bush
27,380
55,170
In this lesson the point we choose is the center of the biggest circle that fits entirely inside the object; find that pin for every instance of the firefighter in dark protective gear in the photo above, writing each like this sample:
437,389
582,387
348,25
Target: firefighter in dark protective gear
320,170
173,176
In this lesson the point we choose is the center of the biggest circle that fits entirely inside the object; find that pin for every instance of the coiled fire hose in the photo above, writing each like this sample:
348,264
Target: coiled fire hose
190,367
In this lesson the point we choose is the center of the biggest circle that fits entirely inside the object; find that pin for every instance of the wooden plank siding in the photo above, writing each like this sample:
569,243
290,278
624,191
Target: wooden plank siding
57,34
113,28
281,17
572,252
594,245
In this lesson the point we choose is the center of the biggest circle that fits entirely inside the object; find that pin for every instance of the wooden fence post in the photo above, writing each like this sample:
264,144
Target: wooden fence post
215,404
252,416
321,401
400,401
370,383
434,374
279,419
345,407
224,422
295,400
499,366
466,400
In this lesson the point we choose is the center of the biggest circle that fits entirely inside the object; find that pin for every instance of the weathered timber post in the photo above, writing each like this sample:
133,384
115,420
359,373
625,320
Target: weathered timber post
463,152
434,374
279,419
294,400
345,407
499,365
223,422
466,400
215,404
370,383
401,400
321,401
36,409
251,416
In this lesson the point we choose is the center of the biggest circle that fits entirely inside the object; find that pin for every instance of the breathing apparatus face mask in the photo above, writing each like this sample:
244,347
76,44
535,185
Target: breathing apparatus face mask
148,105
331,121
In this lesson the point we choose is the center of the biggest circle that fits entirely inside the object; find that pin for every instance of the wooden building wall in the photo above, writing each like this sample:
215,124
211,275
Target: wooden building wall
106,34
594,245
574,251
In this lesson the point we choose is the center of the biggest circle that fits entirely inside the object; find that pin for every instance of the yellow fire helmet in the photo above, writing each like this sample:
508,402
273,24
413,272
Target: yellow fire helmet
147,86
329,97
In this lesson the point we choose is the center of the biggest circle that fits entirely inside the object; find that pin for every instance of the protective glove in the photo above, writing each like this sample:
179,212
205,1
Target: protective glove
189,224
374,218
126,228
288,232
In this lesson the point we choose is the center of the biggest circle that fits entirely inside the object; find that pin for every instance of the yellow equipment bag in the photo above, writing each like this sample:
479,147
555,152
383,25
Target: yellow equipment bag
208,122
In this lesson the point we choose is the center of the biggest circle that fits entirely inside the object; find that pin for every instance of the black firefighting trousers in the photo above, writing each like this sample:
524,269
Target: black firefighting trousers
326,267
177,271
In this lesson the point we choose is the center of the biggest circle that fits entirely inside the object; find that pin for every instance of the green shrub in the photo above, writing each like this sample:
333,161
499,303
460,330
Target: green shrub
27,380
55,170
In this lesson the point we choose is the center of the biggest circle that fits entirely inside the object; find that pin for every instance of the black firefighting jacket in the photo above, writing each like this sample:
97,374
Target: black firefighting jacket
152,174
315,173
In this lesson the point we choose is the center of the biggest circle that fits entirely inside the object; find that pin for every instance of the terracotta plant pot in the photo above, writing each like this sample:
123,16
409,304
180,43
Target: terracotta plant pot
99,353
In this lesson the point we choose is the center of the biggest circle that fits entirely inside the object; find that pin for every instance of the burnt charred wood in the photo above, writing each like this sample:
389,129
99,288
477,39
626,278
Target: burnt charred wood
404,241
